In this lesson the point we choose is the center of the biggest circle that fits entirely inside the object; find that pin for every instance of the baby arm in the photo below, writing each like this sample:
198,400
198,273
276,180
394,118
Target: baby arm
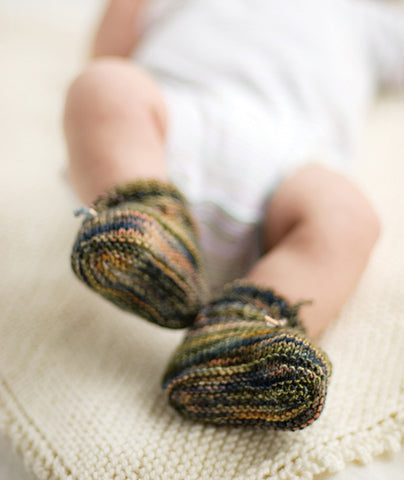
117,33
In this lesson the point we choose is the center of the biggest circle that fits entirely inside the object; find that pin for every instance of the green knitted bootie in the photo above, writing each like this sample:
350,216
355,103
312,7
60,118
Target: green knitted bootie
246,361
138,248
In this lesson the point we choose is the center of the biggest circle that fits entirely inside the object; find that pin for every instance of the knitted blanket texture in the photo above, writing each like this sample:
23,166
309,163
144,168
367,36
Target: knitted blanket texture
80,394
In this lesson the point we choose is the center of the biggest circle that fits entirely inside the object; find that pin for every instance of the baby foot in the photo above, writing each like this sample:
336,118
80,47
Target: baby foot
138,249
246,361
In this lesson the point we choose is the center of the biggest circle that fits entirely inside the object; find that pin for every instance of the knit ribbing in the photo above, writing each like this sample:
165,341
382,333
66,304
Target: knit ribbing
138,249
246,361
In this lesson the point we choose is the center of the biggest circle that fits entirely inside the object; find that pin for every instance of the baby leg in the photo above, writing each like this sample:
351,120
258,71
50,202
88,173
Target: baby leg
319,232
138,246
115,126
247,360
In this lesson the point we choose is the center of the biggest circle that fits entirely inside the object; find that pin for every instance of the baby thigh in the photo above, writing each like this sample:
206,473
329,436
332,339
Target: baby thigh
115,127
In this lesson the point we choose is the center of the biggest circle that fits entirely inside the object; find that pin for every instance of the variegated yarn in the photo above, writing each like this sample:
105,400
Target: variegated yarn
246,361
138,248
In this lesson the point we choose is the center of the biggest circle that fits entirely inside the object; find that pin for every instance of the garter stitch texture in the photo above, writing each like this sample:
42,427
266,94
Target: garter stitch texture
138,249
246,361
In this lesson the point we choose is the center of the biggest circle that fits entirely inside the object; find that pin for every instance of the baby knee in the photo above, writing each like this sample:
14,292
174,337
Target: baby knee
369,221
110,88
335,206
357,223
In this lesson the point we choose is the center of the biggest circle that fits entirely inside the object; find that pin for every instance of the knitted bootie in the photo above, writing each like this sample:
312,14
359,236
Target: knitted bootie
138,248
246,361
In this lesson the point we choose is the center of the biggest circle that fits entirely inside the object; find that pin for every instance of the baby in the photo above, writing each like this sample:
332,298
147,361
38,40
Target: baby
211,140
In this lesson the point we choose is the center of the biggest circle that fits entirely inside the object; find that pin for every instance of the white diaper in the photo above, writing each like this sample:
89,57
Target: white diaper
254,89
221,155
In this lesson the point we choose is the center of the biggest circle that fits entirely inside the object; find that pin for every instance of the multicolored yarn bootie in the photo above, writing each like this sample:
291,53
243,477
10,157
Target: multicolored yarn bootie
246,361
138,248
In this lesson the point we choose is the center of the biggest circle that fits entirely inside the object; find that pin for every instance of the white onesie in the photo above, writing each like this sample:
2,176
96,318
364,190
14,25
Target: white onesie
257,88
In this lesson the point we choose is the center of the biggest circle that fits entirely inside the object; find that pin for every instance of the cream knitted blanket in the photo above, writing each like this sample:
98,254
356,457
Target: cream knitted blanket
79,380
